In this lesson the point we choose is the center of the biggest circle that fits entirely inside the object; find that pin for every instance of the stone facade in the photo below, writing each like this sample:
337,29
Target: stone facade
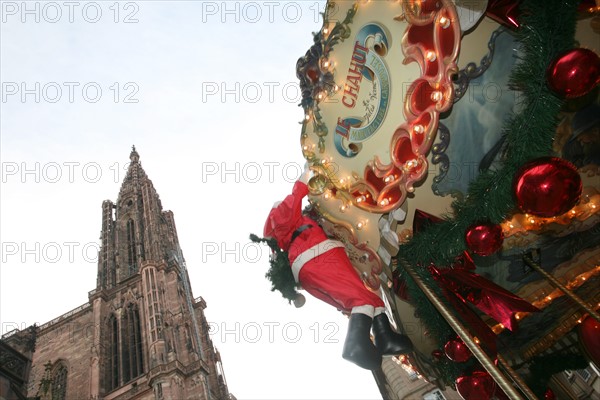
142,334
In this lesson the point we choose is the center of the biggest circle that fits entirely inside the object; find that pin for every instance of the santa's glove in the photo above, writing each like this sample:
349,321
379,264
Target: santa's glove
358,347
388,342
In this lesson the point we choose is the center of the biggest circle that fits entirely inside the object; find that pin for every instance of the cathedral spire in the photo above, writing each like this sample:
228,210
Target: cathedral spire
134,156
135,228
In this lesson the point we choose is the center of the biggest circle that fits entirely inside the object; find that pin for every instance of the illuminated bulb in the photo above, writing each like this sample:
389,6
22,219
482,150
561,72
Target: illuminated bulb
325,31
548,298
419,129
384,202
342,181
592,205
430,55
360,225
511,226
343,208
573,212
583,278
360,199
532,220
501,326
517,316
307,117
477,340
324,161
388,179
320,96
579,321
305,147
436,95
444,22
327,195
411,164
336,88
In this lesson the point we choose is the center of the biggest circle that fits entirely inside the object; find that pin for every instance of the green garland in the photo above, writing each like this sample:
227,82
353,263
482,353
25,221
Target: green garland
280,272
543,367
547,28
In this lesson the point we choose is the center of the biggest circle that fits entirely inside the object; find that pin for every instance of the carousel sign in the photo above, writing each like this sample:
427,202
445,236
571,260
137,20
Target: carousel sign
373,85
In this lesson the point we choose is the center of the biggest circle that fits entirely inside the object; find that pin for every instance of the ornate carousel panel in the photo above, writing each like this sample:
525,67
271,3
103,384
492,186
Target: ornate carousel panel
453,149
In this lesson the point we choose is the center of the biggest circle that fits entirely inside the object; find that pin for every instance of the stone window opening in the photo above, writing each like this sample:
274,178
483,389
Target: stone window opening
113,353
131,250
59,381
132,355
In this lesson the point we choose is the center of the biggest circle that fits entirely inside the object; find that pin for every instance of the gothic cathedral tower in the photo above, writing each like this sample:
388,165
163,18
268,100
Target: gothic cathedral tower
142,335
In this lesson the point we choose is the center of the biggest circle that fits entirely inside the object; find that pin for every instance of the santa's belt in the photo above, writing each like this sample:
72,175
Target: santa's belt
313,252
298,231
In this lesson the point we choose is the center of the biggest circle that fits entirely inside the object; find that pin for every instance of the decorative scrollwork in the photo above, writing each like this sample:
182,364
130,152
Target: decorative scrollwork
472,71
316,72
439,156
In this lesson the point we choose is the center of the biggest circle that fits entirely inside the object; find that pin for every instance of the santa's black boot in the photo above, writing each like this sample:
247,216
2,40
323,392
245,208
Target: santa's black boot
358,347
388,342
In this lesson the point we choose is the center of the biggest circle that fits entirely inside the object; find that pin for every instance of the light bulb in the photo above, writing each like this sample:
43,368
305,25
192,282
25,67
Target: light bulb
444,22
436,95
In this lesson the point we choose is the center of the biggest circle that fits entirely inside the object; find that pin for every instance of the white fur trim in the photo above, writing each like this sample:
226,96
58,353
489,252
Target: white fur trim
379,310
309,254
367,310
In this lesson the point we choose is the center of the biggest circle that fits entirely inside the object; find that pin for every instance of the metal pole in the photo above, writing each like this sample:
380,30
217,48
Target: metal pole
483,358
562,287
516,378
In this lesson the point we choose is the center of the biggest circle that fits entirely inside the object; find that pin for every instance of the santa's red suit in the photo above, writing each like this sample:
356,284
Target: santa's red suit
319,264
323,269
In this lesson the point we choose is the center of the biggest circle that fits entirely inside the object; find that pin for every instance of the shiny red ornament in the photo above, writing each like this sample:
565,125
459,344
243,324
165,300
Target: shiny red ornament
477,386
313,74
457,350
549,395
547,187
574,73
589,337
484,238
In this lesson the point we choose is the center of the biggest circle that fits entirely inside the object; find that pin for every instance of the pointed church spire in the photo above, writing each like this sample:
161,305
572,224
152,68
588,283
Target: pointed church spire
135,228
134,156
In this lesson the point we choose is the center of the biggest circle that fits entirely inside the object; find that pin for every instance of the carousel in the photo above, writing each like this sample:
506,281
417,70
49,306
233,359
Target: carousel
453,153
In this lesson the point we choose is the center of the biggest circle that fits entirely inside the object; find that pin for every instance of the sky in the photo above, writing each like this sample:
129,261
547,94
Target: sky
207,93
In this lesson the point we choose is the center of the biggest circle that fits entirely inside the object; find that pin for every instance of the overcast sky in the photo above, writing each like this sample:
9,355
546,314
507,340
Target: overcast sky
208,94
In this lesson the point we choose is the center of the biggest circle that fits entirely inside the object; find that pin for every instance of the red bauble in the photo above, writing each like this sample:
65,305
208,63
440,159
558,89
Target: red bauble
457,350
313,74
547,187
589,337
484,238
574,73
479,385
549,395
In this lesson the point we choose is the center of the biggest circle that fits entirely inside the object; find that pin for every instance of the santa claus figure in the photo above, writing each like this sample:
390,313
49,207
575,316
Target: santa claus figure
321,267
